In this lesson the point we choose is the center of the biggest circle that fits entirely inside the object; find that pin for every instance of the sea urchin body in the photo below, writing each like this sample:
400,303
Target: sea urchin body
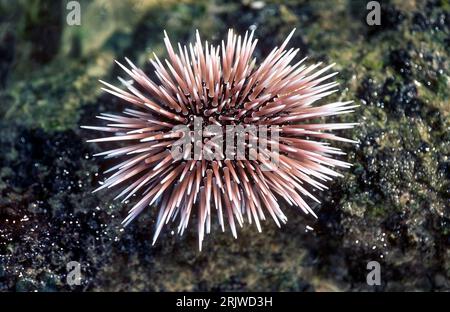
204,92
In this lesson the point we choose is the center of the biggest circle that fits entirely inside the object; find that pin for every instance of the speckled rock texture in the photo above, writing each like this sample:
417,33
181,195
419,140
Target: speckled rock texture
392,206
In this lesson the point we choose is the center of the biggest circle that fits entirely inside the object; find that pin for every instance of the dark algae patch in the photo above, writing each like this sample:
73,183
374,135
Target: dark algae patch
392,206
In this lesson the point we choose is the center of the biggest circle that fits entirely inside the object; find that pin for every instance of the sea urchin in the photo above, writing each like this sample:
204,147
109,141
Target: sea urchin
206,93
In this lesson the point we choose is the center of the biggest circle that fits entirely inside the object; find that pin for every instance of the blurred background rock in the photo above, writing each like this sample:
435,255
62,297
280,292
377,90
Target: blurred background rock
392,206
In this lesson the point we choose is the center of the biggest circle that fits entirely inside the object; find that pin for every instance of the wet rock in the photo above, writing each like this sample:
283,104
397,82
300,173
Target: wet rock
43,27
391,19
401,98
41,227
7,44
401,62
420,22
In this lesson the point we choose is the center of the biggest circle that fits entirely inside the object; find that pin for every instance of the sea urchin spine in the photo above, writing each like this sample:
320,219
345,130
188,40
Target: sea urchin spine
224,86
